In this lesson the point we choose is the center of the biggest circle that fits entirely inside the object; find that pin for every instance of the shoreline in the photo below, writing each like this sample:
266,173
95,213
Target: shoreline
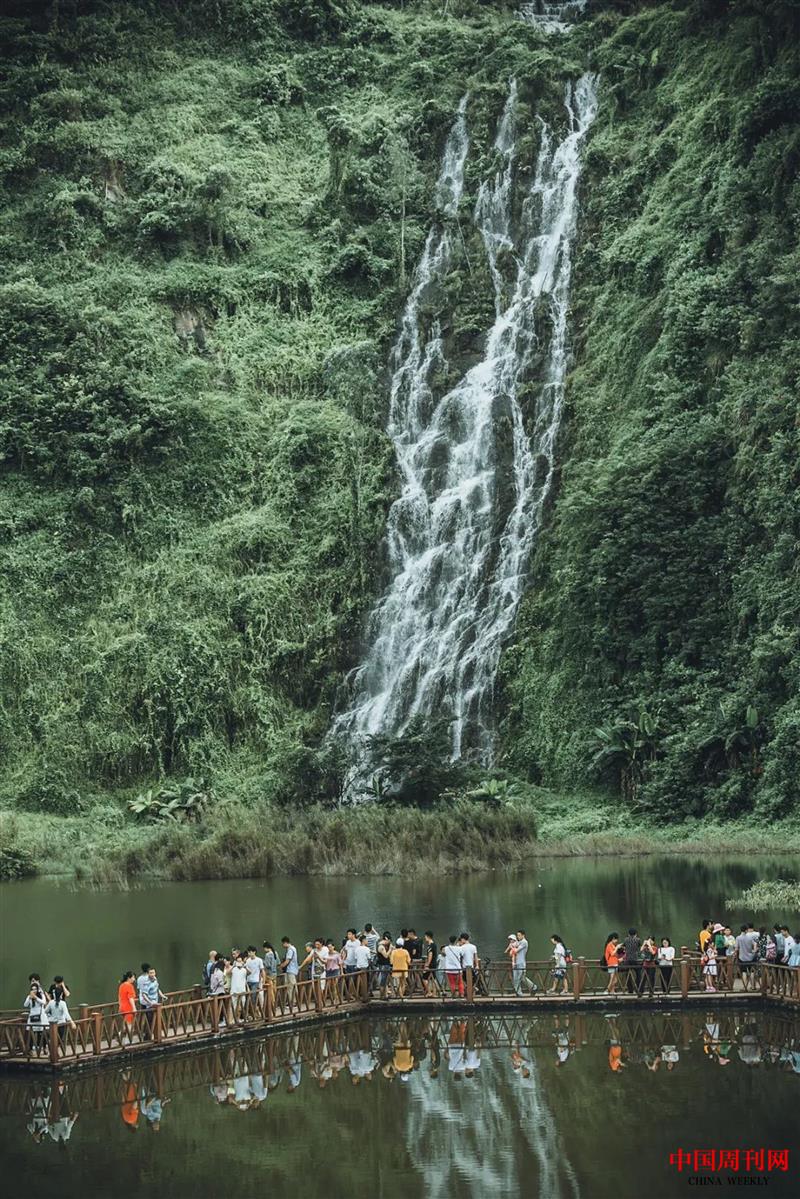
360,843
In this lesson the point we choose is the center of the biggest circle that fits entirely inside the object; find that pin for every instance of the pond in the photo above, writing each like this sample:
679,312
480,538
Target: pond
555,1106
92,936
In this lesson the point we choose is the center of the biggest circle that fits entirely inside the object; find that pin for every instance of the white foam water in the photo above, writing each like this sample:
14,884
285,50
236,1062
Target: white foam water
476,470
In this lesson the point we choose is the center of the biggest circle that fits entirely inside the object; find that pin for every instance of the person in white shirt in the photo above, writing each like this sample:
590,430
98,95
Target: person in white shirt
472,1062
254,966
362,955
788,944
453,967
36,1003
57,1013
238,987
349,951
469,957
666,961
559,971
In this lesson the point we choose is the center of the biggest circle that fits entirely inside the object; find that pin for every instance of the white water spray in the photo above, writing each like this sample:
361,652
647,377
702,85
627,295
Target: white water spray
476,471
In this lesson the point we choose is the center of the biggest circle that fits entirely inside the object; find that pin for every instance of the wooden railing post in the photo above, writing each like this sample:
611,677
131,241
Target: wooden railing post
83,1011
157,1025
53,1032
317,995
764,978
470,973
97,1032
363,986
686,967
578,976
269,1002
216,1012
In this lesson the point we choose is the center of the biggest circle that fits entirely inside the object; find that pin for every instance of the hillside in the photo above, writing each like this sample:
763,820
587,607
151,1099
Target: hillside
211,215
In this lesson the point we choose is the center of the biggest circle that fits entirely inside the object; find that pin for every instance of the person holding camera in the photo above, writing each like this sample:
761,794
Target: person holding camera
36,1003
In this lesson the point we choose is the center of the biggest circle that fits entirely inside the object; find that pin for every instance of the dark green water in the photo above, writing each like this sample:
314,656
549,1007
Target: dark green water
542,1113
502,1106
92,936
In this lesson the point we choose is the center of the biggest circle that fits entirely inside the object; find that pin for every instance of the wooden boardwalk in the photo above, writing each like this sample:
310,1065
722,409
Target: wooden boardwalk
188,1020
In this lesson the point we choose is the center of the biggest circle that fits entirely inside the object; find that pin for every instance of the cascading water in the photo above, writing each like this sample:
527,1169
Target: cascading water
551,18
474,479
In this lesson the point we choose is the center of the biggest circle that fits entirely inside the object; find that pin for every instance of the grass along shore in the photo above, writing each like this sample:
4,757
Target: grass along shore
108,848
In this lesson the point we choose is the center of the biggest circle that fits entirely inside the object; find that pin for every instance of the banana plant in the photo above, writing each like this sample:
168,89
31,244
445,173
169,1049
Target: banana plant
626,746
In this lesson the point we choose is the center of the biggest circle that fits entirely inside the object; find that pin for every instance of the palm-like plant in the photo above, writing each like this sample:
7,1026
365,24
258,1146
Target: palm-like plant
626,746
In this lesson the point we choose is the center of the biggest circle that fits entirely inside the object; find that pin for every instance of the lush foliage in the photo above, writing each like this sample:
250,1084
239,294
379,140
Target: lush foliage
765,896
667,580
210,211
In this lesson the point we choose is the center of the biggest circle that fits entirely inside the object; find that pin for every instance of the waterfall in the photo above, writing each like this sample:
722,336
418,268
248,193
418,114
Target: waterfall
551,18
475,469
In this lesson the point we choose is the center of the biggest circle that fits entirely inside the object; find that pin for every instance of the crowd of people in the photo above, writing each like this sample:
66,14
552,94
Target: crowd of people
632,963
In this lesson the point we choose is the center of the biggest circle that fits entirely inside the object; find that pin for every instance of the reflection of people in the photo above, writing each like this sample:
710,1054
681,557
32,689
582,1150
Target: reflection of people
152,1108
37,1125
455,1050
130,1107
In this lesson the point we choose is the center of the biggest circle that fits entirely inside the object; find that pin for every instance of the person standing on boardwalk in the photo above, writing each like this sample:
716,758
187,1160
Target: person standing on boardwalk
270,959
383,962
704,934
150,995
363,955
709,960
519,965
36,1002
429,956
469,956
666,960
209,966
611,962
401,961
290,967
746,947
57,1013
633,960
126,995
453,966
559,971
349,950
255,971
141,981
238,986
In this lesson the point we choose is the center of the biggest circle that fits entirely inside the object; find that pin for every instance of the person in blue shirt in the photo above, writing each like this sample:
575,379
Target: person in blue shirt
150,994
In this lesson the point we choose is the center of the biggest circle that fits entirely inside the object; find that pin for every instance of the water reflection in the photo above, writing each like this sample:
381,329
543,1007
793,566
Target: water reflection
473,1086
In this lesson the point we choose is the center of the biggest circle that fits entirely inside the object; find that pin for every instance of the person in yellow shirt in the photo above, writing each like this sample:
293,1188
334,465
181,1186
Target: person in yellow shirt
401,961
705,933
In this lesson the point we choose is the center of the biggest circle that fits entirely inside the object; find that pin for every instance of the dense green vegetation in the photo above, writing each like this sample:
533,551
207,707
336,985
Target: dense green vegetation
660,636
210,211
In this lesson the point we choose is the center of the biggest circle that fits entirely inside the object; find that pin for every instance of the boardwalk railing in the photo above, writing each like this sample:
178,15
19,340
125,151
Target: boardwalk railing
102,1031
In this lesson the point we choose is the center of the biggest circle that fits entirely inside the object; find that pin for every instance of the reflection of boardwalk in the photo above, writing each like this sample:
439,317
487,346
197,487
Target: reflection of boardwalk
190,1019
491,1055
